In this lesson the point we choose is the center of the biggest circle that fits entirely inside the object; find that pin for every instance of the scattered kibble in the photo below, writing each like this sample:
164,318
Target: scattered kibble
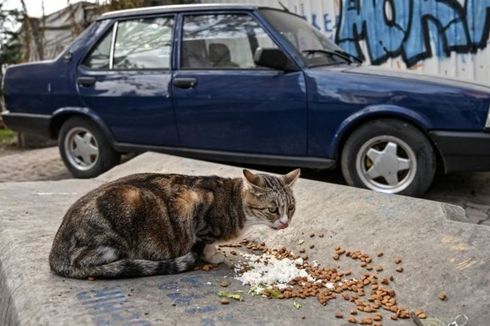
224,284
207,267
398,260
225,301
442,296
380,254
422,315
368,291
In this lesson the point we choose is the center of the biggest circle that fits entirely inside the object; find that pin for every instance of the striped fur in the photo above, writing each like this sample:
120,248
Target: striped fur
153,224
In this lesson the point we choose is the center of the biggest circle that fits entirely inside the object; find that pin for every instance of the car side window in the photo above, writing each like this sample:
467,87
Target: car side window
224,41
100,55
143,44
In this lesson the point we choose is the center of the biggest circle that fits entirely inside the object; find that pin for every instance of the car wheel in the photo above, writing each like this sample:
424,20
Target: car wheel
389,156
84,149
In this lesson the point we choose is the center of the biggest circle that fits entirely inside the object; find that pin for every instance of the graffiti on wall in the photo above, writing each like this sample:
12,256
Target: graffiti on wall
408,28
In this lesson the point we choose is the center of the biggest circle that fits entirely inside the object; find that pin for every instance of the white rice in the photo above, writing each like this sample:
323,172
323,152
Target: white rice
266,271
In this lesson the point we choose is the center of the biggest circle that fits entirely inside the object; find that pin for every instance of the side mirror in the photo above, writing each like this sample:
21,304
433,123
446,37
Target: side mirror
273,58
67,56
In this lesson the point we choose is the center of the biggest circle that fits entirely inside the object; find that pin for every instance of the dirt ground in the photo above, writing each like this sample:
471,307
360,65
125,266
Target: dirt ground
469,190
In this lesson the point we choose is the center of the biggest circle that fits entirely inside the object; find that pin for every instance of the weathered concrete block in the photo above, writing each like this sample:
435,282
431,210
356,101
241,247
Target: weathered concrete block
438,254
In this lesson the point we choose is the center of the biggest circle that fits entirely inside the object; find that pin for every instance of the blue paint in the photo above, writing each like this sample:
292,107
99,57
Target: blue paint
314,22
201,310
193,281
110,306
327,23
180,298
478,20
437,22
412,28
208,322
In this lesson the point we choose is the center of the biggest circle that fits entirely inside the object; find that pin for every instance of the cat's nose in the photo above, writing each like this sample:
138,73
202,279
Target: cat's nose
281,225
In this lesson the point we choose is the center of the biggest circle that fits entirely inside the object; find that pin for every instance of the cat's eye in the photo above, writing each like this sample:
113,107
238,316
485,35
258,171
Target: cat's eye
291,207
273,210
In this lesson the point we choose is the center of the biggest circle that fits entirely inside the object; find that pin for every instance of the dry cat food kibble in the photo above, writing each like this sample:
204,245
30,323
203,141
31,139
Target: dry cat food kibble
442,296
281,274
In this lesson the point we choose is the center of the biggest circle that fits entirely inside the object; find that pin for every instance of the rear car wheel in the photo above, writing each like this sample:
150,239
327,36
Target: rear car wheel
389,156
84,149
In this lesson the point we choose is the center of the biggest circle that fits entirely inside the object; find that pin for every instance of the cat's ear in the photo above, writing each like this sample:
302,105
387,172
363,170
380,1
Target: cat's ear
252,181
290,178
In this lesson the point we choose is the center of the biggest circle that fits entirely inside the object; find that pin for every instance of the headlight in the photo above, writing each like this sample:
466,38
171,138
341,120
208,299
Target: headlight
487,124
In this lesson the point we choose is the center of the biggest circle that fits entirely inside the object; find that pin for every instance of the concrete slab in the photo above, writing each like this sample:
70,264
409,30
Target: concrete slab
438,254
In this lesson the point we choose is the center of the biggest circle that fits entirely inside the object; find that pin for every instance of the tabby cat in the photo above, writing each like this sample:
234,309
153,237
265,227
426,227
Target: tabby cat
152,224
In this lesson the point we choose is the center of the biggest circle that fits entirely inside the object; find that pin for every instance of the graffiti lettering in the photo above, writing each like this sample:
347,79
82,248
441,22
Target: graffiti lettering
391,28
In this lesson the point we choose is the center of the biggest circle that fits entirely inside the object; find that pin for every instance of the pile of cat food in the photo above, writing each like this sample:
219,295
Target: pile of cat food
281,274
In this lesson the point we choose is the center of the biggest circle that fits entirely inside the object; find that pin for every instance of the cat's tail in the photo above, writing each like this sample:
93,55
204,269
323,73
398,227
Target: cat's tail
128,268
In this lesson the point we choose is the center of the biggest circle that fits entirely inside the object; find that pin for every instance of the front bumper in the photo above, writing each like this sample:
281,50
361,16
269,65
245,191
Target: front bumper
34,124
463,151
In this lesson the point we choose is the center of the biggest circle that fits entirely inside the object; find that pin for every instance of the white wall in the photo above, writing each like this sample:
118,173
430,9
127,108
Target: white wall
466,21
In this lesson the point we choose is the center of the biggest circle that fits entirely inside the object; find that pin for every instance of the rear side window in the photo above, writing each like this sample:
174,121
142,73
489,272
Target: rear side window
139,44
143,44
223,41
99,57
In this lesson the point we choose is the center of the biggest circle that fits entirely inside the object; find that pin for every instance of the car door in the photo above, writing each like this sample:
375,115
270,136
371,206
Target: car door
126,80
223,101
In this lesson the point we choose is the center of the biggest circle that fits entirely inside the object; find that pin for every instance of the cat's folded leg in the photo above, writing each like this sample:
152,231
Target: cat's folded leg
211,255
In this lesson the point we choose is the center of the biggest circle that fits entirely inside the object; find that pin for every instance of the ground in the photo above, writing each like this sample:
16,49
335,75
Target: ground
469,190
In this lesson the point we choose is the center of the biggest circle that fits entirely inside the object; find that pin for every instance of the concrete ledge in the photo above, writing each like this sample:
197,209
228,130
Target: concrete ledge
438,254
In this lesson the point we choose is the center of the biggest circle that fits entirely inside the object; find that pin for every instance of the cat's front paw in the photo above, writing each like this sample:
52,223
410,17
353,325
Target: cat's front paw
212,256
216,259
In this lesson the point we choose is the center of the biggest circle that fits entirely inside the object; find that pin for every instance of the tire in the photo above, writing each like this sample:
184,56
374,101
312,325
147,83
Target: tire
84,149
389,156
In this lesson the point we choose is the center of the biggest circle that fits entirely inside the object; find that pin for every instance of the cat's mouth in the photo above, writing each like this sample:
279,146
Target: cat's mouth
278,225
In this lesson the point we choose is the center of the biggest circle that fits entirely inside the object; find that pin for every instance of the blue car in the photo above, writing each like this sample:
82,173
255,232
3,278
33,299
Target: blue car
245,84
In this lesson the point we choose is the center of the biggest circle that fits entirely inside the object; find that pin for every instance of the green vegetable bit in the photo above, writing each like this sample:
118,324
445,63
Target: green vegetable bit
275,294
296,305
232,295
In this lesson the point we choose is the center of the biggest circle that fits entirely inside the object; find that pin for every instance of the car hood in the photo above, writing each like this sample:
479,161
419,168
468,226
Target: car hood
410,75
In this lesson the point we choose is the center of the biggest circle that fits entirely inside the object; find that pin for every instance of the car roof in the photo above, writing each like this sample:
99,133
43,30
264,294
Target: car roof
177,8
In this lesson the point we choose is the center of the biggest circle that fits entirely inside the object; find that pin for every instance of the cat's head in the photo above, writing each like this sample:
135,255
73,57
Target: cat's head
268,199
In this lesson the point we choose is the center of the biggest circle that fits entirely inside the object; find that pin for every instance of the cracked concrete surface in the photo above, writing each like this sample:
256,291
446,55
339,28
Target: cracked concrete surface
438,254
468,190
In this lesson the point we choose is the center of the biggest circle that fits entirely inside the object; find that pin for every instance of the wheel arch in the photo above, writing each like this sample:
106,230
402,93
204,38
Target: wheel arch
61,115
369,114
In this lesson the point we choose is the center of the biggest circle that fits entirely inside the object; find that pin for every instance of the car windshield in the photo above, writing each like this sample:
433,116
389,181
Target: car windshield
313,46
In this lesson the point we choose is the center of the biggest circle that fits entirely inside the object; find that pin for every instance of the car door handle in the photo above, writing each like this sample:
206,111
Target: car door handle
86,81
184,82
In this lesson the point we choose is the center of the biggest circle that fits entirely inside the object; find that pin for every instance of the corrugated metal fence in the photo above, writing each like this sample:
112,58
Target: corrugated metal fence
449,38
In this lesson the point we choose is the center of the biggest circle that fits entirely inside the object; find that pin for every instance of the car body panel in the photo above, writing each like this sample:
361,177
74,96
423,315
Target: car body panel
137,104
336,106
268,118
